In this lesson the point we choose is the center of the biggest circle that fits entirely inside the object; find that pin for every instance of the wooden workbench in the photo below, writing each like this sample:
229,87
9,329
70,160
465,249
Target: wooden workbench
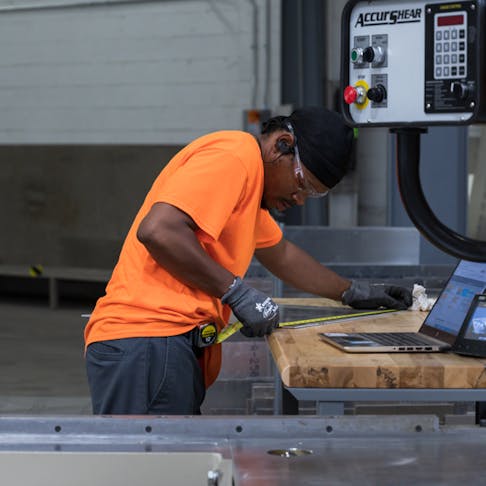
312,369
304,360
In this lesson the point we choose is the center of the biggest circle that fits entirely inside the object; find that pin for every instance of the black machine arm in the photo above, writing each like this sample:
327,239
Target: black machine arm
418,210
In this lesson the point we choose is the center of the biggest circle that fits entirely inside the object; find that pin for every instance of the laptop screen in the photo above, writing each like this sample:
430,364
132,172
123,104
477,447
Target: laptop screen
446,317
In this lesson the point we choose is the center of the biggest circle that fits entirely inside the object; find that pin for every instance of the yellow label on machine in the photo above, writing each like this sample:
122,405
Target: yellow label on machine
230,329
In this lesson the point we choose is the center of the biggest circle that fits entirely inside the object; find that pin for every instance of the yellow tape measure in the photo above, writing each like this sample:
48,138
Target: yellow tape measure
230,329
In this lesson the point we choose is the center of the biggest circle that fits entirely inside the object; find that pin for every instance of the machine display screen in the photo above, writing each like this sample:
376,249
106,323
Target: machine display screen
450,20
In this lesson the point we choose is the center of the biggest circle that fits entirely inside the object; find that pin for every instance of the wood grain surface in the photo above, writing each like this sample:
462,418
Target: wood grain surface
304,360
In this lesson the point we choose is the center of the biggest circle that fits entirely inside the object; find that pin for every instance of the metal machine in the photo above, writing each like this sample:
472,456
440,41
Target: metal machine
408,65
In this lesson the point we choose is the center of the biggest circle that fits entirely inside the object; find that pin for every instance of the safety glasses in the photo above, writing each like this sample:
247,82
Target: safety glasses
304,185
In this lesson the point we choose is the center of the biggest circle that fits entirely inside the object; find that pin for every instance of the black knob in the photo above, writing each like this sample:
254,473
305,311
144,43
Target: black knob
369,54
377,94
459,90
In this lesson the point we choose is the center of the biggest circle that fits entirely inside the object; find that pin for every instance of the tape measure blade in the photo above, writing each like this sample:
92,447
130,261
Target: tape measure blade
335,318
228,331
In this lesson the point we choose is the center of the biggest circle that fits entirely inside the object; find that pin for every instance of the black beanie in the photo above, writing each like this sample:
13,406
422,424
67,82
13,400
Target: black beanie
324,142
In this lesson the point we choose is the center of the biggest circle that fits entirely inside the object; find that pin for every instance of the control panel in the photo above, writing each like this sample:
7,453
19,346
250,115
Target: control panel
413,63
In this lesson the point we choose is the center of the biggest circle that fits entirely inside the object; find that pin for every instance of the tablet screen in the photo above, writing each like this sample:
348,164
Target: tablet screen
472,337
476,326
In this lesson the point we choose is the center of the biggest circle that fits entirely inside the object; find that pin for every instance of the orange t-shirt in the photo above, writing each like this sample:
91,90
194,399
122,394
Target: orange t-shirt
218,181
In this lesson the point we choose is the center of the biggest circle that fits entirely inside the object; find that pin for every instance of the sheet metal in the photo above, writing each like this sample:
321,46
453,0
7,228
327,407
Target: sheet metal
351,450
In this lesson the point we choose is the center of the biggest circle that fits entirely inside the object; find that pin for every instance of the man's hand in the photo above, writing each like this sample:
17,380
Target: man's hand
258,313
363,295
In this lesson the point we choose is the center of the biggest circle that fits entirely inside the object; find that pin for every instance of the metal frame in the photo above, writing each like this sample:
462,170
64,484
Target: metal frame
330,401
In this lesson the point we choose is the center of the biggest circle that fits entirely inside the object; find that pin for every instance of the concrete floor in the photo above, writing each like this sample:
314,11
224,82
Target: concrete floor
41,359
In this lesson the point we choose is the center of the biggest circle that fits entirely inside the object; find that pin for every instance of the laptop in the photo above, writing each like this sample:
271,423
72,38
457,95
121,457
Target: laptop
439,329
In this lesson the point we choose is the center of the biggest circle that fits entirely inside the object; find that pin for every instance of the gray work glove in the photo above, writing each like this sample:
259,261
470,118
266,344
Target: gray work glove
258,313
363,295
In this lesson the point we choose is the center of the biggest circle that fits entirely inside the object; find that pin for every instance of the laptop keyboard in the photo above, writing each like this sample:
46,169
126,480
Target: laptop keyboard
396,339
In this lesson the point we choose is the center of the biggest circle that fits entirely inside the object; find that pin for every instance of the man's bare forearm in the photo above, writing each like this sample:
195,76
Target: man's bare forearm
296,267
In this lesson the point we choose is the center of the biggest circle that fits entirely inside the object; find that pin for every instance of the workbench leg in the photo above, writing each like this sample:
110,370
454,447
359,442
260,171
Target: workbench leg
277,386
330,408
290,404
481,413
284,402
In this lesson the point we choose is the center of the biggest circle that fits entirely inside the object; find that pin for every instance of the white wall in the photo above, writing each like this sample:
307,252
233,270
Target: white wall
131,72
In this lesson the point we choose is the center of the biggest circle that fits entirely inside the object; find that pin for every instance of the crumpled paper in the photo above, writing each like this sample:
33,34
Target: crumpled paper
420,300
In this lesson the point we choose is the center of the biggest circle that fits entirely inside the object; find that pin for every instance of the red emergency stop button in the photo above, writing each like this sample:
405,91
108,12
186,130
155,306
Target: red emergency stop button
350,95
355,94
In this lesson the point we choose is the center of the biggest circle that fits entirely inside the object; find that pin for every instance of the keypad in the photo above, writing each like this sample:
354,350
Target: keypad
450,52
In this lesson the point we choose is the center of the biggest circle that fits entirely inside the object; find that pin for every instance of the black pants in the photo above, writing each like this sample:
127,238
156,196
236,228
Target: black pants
139,376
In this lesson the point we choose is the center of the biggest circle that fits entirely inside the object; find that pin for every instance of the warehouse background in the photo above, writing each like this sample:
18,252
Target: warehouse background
97,95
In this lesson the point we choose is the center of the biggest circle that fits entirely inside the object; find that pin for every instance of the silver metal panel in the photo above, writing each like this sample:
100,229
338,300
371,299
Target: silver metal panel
114,468
371,450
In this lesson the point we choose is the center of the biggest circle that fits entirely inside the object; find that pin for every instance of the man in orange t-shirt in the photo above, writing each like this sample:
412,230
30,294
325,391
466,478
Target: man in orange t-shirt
190,245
